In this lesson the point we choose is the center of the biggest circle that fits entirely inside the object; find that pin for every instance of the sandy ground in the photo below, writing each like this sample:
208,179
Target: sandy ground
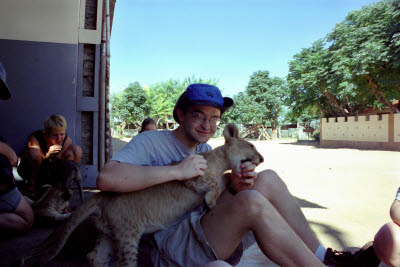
345,195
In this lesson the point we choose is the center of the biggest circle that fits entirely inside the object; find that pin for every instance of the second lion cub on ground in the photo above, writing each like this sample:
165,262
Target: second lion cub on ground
125,217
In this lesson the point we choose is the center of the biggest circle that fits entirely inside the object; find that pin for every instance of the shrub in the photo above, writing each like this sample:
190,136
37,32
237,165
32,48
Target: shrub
315,135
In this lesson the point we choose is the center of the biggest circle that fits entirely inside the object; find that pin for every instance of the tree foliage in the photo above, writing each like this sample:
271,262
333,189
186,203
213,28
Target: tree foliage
270,93
261,104
135,103
131,105
355,66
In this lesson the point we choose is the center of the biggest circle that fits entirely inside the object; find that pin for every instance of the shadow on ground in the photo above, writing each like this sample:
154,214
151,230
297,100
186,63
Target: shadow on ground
313,143
307,204
13,247
334,233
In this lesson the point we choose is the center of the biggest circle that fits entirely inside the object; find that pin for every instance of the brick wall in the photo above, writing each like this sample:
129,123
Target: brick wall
365,132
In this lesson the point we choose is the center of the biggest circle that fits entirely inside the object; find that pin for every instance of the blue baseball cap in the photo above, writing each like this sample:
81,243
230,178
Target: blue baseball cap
203,95
5,92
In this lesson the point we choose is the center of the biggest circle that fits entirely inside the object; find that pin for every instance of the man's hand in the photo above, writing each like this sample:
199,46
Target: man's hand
245,179
192,166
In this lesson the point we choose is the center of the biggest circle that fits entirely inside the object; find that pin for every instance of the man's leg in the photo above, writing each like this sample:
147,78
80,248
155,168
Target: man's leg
271,186
20,220
226,225
217,264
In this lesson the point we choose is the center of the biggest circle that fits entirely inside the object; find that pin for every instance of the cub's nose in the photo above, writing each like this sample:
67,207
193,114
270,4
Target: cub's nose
261,159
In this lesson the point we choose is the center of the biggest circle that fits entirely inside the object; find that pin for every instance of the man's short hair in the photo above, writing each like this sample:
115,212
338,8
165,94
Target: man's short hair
203,95
55,122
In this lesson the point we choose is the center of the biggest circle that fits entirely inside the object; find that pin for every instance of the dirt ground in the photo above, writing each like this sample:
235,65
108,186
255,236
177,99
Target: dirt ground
344,193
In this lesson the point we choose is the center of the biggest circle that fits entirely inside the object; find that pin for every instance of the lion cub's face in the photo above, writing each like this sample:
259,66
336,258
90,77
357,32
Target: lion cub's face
240,150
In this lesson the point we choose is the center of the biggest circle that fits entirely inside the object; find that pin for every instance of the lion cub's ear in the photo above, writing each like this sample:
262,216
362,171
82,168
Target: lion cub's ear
231,131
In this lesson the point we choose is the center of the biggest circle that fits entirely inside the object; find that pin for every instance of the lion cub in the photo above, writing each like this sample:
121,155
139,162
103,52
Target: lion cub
53,202
124,217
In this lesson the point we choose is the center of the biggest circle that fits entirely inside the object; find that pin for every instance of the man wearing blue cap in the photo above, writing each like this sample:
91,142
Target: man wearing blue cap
15,213
268,213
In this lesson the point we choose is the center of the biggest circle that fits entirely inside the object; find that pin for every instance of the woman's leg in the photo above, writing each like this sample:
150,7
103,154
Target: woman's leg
387,244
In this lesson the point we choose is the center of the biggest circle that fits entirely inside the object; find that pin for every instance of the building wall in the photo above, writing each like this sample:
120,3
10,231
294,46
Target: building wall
366,132
51,52
396,127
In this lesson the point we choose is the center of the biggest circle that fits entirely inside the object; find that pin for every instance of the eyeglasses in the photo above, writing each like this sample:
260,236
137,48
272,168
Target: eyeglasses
200,118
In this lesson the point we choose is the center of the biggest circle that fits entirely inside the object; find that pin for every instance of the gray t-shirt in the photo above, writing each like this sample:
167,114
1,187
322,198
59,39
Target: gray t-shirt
156,148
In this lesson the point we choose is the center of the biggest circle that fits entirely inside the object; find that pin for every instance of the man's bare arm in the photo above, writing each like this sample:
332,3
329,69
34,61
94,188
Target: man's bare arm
125,177
7,151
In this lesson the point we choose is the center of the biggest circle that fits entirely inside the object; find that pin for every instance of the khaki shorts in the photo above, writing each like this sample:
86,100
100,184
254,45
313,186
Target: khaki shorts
184,244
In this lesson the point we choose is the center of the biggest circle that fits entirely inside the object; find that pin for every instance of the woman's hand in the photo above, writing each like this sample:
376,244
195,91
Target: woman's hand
54,149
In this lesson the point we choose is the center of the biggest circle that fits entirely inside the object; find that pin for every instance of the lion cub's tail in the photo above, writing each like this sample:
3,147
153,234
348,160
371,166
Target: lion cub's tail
56,241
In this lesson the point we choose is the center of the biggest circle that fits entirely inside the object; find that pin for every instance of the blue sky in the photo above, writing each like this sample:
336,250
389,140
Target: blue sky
226,40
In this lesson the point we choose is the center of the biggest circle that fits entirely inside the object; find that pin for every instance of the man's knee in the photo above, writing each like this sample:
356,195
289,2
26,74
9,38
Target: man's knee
252,203
270,182
387,244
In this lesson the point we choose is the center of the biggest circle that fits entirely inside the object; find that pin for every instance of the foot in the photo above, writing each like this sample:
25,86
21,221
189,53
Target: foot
336,258
365,257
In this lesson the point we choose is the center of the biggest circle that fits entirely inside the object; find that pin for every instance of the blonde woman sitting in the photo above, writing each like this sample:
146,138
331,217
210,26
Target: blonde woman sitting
52,141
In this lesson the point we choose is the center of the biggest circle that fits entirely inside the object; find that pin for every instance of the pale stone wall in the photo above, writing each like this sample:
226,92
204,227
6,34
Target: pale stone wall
397,128
368,132
372,130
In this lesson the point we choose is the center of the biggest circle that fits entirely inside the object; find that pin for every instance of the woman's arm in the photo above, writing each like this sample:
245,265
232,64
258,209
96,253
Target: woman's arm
395,211
125,177
66,145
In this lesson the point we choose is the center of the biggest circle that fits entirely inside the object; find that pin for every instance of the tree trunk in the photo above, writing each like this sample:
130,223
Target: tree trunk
377,91
323,111
335,102
166,122
275,126
265,133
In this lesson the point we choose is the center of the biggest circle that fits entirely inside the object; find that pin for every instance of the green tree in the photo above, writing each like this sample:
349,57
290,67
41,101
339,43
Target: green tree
312,83
162,96
131,105
354,67
269,92
365,51
248,112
